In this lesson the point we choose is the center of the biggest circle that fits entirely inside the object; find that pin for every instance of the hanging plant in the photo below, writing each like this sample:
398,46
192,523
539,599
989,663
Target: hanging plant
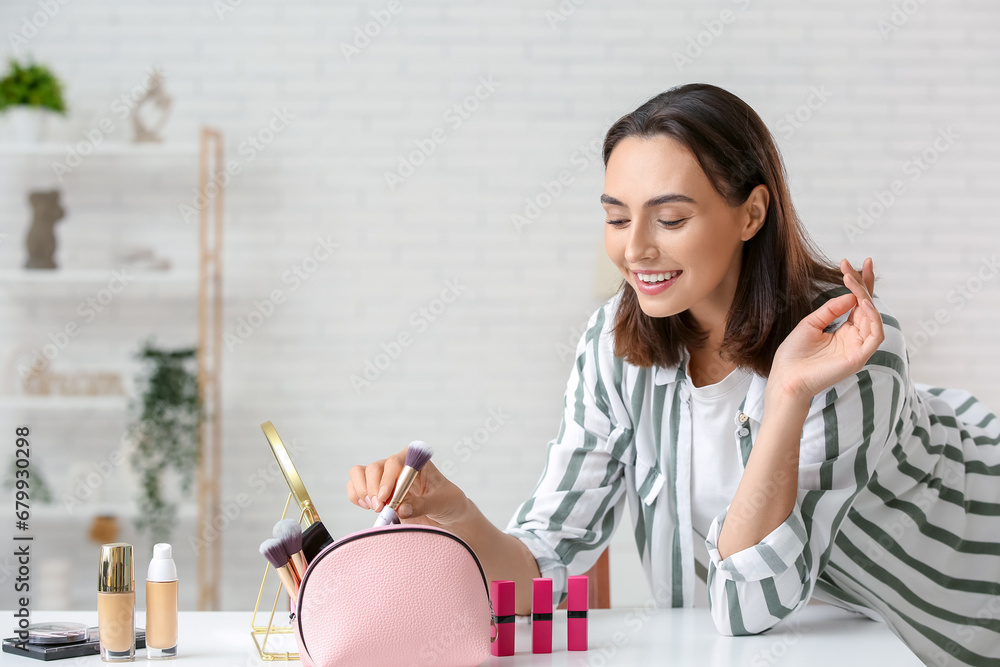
165,432
39,490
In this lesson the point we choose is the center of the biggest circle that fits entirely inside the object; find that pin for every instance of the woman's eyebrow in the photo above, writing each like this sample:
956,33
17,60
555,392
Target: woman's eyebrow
670,198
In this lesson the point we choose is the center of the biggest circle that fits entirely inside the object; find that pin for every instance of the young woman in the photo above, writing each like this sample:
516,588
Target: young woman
753,405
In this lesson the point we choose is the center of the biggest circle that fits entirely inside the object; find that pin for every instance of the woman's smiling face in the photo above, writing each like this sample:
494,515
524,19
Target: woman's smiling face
667,224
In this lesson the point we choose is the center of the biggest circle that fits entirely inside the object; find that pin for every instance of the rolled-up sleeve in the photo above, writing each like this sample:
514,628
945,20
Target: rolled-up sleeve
846,430
579,498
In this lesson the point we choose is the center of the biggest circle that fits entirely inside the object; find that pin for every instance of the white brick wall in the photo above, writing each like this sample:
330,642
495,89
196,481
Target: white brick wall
495,346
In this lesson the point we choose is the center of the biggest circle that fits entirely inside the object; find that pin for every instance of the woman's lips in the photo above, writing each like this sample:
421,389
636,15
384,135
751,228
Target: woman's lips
654,288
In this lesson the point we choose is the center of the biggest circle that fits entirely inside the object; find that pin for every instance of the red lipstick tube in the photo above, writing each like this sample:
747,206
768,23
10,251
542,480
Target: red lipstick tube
502,594
576,613
541,615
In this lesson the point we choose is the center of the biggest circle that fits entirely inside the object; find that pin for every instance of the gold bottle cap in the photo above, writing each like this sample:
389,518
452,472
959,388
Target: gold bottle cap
116,573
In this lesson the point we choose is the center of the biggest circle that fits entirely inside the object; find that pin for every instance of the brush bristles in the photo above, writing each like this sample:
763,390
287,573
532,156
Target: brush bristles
274,551
418,453
290,534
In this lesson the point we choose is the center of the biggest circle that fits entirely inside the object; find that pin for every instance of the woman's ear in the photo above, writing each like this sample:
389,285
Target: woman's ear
755,211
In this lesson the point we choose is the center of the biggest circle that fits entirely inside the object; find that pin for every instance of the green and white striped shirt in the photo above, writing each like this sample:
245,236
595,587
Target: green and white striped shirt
897,514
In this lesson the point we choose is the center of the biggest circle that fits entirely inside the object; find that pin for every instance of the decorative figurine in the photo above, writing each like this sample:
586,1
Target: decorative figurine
41,239
155,96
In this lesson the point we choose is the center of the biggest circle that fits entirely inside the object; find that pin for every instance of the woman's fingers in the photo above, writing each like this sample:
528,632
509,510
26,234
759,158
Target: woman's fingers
848,269
367,485
431,498
371,486
860,291
876,332
823,316
373,478
357,486
435,497
866,278
866,319
868,275
868,325
860,284
859,316
386,482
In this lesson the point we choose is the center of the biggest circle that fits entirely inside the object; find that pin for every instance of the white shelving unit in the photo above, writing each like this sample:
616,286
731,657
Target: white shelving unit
110,148
57,511
91,277
204,284
58,403
75,283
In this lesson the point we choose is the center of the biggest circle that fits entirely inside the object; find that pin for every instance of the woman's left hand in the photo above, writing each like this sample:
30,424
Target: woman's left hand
809,360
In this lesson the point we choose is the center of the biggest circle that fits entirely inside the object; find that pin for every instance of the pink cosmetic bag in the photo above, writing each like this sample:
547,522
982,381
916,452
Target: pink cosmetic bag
395,596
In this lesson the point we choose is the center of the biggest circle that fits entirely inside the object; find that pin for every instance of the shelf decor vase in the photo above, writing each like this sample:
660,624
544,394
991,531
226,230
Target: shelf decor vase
25,124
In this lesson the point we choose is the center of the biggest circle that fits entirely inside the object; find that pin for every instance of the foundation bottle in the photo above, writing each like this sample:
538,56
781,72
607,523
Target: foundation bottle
161,605
116,603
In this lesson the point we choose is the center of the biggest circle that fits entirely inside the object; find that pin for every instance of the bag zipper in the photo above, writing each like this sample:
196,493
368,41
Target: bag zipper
322,554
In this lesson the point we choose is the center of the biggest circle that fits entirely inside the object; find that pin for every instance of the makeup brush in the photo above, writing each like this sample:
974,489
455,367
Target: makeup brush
288,532
275,553
418,453
315,537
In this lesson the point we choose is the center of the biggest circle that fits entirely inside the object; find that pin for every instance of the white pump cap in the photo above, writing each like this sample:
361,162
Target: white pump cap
162,567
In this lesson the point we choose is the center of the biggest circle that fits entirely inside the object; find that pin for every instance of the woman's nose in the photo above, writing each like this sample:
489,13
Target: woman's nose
639,244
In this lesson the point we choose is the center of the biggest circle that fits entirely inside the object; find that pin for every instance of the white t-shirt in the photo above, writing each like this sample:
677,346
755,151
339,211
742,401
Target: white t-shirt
716,466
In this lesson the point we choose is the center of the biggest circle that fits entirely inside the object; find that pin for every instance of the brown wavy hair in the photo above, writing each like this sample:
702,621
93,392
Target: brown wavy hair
782,270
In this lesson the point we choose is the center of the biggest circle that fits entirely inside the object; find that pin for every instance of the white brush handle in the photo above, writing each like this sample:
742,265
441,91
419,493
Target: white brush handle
386,516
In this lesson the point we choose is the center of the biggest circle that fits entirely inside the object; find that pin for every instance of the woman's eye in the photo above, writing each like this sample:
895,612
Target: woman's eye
666,223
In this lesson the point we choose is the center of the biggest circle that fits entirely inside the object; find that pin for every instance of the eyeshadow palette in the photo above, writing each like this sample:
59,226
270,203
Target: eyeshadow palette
55,643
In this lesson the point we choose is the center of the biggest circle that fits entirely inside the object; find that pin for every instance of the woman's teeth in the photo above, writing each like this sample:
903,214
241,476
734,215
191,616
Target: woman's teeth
656,277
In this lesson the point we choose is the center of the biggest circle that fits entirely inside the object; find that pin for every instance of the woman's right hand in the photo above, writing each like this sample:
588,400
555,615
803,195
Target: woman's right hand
432,499
811,360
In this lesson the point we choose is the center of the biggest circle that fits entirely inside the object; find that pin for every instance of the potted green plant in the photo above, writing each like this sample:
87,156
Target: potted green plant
28,92
165,431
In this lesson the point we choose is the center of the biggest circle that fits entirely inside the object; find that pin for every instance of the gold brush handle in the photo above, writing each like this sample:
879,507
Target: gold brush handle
403,485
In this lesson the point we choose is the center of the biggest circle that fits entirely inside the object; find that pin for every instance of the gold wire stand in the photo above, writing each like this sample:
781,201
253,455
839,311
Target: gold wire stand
260,633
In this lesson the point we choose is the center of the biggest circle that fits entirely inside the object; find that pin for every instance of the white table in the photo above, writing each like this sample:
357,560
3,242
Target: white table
817,635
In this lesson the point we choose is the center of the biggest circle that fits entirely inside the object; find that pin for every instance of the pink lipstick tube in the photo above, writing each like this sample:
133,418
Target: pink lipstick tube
541,615
576,614
502,594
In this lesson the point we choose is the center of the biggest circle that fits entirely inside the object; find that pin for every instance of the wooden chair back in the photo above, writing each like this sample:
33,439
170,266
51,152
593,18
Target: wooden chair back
599,584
